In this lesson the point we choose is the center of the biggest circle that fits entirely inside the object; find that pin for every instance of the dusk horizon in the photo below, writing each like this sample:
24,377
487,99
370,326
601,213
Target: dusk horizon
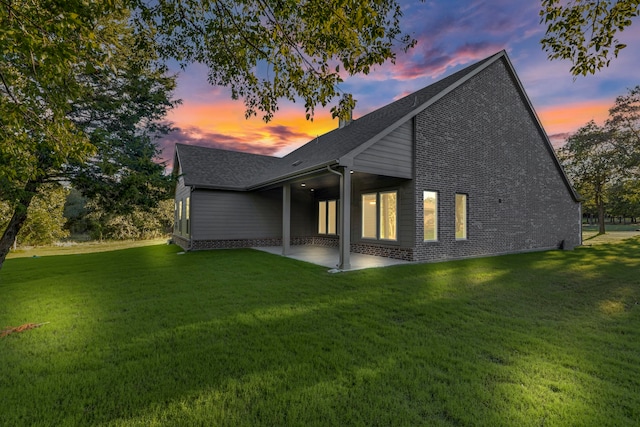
447,42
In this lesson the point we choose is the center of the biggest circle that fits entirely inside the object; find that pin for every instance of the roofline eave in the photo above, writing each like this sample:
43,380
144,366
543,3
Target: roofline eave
297,174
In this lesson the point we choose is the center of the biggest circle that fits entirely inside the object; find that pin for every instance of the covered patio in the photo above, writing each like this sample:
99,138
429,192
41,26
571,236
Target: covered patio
329,256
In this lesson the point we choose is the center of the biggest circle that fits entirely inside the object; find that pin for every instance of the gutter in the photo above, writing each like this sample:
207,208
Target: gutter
303,172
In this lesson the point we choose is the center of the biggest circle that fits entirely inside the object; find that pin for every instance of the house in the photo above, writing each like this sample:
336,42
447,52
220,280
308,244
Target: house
461,168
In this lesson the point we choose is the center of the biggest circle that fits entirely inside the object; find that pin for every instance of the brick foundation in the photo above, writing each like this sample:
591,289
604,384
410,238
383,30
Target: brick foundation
405,254
330,242
182,242
197,245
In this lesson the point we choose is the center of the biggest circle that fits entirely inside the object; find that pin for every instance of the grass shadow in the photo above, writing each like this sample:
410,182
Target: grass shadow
240,337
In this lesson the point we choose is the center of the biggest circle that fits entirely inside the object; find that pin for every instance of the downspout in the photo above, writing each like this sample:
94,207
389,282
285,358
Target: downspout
334,171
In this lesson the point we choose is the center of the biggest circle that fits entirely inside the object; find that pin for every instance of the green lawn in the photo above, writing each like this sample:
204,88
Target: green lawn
145,336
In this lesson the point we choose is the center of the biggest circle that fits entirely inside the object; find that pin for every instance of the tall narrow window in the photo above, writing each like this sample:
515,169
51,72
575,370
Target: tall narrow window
322,217
430,209
461,216
369,219
175,216
328,217
379,215
332,214
187,216
180,216
388,206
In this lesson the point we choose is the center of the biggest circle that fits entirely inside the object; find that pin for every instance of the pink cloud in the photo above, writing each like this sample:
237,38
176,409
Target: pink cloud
196,136
435,61
559,139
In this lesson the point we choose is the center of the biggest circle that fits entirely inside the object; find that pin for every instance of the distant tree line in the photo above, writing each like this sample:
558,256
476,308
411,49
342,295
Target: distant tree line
603,162
58,213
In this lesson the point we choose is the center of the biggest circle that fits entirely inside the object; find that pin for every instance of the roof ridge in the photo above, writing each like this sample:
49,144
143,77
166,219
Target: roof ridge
204,147
422,91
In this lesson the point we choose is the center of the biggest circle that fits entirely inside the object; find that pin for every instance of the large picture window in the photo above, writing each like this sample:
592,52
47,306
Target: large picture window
328,217
461,216
430,210
379,215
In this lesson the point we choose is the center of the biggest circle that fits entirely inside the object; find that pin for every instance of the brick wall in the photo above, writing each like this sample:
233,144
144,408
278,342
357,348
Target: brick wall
250,243
181,241
396,252
481,140
232,244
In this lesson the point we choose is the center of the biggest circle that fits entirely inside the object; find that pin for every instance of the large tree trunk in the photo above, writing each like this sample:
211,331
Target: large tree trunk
17,220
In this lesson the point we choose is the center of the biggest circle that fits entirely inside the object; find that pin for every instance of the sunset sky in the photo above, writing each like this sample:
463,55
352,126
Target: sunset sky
451,35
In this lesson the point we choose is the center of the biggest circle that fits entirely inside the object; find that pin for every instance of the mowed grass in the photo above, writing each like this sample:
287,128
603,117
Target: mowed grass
145,336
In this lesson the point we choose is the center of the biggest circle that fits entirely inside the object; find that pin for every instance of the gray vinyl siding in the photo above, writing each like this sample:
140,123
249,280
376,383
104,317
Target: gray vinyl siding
406,208
391,156
182,192
303,214
230,215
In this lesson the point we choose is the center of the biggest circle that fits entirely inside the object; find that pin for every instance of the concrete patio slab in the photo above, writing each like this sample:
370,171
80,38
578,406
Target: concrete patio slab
328,257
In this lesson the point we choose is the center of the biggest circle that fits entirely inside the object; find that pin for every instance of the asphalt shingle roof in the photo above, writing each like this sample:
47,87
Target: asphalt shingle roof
218,168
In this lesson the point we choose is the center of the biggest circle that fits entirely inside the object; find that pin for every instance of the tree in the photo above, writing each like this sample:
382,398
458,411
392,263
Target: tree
625,199
41,44
267,50
81,98
45,223
136,224
591,160
585,31
56,58
624,121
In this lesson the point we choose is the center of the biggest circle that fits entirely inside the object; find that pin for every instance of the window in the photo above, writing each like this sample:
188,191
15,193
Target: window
175,216
180,215
332,215
461,216
379,215
187,216
328,217
322,218
369,220
388,204
430,209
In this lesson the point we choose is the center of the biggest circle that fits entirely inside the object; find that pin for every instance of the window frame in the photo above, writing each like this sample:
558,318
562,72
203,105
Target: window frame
465,222
378,213
327,217
436,219
380,207
187,214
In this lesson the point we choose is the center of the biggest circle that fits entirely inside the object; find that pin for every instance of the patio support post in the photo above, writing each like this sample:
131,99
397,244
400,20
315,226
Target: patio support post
345,219
286,218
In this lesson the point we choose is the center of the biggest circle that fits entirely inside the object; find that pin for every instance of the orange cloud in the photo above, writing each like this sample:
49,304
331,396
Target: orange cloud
289,128
567,118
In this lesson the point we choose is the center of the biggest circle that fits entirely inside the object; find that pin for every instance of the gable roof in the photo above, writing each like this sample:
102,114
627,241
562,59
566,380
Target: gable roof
339,143
206,167
223,169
